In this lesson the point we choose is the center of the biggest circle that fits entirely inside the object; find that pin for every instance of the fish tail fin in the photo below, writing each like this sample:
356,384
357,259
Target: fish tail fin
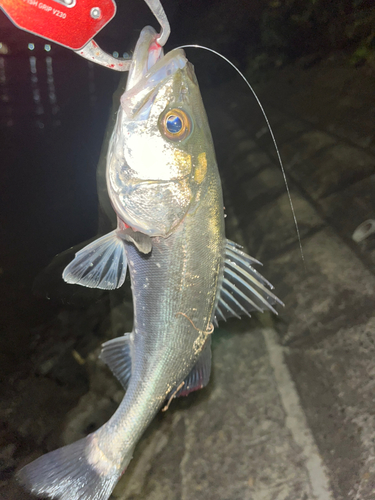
78,471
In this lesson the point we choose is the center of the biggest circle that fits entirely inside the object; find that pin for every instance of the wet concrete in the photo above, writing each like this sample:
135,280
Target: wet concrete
289,411
327,326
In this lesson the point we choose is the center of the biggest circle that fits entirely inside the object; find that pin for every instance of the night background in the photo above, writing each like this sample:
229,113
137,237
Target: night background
312,63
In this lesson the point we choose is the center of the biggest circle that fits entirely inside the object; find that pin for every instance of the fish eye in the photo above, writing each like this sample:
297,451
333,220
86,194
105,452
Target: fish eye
175,124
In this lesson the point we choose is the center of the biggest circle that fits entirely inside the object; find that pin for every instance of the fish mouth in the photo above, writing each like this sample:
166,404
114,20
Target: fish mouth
146,53
149,70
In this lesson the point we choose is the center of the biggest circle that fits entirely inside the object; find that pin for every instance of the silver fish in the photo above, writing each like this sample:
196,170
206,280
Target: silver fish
164,185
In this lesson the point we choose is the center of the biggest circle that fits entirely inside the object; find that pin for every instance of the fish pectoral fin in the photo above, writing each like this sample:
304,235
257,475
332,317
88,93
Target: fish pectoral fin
116,354
140,240
243,289
199,375
101,264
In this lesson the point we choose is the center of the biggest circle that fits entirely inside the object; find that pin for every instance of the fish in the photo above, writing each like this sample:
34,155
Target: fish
164,185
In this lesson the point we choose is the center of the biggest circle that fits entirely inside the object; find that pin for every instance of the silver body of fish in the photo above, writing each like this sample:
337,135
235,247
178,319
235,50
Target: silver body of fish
164,185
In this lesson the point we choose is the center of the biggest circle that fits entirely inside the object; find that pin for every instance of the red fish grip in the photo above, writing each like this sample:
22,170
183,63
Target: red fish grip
71,23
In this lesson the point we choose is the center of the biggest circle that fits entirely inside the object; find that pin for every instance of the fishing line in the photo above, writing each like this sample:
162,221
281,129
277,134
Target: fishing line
271,132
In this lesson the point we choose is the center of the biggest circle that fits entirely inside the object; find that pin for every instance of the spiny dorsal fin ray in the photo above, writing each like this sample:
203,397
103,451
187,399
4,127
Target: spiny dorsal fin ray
243,260
243,288
229,285
116,354
219,315
100,264
229,311
234,300
200,374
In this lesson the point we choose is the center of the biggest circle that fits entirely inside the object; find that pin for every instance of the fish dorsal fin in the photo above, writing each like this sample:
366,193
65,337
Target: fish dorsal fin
243,289
200,374
116,354
101,264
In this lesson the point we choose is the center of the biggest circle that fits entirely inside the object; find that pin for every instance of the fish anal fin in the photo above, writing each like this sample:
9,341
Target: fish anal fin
243,288
200,374
100,264
116,353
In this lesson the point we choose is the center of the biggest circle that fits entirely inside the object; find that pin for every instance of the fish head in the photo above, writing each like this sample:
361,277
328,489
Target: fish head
159,151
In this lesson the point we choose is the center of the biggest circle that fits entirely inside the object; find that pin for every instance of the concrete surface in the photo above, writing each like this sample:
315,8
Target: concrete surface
327,327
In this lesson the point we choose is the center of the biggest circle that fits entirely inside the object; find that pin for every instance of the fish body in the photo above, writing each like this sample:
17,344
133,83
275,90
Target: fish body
165,188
